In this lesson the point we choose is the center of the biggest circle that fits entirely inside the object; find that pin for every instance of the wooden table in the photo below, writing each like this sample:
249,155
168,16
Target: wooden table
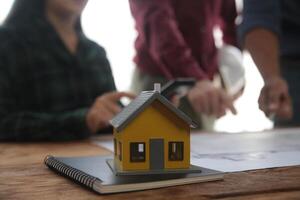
24,176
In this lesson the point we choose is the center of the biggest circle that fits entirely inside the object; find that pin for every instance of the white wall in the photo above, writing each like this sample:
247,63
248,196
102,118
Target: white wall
4,8
109,23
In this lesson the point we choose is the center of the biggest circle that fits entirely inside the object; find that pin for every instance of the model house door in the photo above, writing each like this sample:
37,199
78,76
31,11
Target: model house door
157,154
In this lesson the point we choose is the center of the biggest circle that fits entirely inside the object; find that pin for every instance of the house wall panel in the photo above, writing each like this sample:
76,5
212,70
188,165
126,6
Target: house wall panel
155,122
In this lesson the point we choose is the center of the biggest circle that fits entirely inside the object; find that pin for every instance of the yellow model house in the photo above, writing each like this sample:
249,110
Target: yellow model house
150,134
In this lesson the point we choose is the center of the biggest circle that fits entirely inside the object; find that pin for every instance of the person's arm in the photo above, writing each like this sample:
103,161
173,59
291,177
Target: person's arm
263,46
228,22
260,36
166,43
25,125
75,124
274,99
259,33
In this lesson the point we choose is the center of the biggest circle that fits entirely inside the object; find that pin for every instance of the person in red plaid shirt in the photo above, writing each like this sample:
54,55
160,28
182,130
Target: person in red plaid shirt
175,40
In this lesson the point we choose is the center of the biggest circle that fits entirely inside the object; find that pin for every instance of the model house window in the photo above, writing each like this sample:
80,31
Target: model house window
175,151
115,147
137,152
120,151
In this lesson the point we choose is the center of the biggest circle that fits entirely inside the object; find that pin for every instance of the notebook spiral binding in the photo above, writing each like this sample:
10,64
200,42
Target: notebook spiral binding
66,170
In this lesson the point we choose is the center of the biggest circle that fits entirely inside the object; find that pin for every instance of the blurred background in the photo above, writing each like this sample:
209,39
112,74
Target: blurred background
115,32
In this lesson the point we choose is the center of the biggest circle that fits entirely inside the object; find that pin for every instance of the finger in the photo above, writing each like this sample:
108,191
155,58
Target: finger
222,113
112,107
228,102
273,100
232,107
222,107
208,107
204,104
104,115
287,104
175,100
285,109
116,96
195,100
199,105
262,102
288,108
215,103
99,121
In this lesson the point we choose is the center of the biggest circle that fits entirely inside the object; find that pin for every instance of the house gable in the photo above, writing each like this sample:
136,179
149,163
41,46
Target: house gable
156,118
139,104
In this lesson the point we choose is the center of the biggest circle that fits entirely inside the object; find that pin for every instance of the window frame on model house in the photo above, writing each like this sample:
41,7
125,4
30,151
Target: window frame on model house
137,152
120,150
176,151
115,147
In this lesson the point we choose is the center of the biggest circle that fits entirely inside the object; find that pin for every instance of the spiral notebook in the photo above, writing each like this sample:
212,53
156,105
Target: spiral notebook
94,173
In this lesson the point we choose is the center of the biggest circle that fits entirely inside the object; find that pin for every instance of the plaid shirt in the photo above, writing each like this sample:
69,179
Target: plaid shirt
175,37
45,91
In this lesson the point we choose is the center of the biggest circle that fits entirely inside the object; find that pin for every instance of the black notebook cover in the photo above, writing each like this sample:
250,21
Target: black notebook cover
94,173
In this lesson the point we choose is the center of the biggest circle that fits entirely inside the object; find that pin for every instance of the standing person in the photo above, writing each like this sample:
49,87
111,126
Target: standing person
270,31
55,84
175,40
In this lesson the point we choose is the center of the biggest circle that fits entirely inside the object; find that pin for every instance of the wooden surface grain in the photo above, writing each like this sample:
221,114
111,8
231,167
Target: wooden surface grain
24,176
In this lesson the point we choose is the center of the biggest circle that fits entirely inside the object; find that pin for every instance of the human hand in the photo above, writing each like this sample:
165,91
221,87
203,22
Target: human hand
175,100
274,98
206,98
104,109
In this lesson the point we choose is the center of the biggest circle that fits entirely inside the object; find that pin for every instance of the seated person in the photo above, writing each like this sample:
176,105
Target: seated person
55,84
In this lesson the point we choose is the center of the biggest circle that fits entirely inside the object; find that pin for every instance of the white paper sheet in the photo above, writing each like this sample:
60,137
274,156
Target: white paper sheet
242,152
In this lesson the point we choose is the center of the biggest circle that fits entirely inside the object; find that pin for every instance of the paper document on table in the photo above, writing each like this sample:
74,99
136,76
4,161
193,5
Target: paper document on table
246,151
107,144
241,152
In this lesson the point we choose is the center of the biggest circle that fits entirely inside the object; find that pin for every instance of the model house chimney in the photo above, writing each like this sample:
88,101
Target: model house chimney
157,87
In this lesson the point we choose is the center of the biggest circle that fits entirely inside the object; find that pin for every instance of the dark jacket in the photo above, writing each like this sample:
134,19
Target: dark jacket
45,91
279,16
